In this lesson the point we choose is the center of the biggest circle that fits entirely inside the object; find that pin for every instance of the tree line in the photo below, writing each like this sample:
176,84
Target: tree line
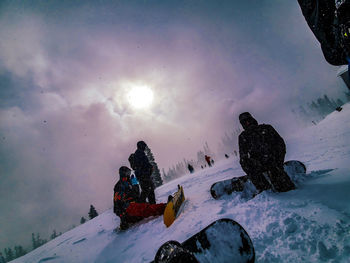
18,251
318,109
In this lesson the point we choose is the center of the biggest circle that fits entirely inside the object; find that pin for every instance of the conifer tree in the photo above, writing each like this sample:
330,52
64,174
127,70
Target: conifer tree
2,259
92,213
156,177
8,254
37,241
53,235
19,251
82,220
34,243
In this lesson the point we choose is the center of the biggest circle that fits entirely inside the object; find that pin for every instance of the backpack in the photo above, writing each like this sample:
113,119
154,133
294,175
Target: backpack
132,161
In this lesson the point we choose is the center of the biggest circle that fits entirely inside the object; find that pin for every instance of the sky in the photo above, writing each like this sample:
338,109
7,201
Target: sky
66,67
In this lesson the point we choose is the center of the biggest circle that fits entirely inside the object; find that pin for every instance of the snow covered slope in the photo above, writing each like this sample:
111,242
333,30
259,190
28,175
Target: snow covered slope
310,224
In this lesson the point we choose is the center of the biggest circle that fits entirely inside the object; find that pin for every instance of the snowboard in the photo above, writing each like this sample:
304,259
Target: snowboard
241,184
224,240
173,206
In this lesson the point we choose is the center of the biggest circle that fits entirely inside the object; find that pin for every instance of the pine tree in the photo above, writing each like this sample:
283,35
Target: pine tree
53,235
82,220
2,259
92,213
34,244
19,251
8,254
37,241
156,177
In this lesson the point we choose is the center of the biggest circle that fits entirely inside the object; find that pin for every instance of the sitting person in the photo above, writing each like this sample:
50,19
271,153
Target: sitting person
261,152
126,202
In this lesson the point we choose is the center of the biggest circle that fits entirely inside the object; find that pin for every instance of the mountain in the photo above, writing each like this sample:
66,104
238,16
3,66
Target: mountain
310,224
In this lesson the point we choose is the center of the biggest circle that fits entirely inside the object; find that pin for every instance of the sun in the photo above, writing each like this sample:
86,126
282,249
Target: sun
140,97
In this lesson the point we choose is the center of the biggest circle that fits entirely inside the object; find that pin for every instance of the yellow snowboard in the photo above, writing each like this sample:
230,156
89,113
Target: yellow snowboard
173,206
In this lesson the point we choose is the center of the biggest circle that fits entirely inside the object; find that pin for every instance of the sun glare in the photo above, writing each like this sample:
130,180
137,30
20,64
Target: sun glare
140,97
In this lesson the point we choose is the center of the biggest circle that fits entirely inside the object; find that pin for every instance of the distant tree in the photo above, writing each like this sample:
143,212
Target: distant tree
2,259
82,220
40,241
19,251
53,235
37,241
34,243
8,254
156,177
92,213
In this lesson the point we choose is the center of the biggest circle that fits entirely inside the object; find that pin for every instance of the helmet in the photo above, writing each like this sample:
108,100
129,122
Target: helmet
141,145
246,120
124,172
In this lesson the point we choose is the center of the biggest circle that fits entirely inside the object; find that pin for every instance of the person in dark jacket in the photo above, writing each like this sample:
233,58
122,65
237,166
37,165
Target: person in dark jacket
190,168
262,151
143,171
126,204
330,23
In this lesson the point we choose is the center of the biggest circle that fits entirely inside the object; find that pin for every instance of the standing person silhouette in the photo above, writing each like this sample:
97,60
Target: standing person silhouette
143,171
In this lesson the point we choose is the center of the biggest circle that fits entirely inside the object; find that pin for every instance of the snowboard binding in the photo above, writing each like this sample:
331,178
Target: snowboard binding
173,252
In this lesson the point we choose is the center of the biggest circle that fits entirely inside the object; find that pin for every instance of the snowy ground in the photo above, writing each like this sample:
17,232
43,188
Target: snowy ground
310,224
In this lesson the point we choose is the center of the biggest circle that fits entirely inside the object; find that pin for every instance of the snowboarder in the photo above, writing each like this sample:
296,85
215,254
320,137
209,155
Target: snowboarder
143,171
173,252
262,152
207,159
330,23
126,204
190,168
226,156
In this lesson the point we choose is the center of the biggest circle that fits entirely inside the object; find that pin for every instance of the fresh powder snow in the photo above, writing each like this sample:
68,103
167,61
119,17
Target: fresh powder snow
309,224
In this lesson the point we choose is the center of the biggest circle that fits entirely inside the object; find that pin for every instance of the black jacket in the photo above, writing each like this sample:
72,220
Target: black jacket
320,16
143,168
260,147
124,194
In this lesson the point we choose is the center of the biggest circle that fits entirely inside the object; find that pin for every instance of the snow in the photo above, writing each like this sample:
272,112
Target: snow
310,224
342,69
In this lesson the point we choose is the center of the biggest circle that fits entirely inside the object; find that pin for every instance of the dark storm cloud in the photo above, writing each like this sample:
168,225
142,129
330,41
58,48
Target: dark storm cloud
66,67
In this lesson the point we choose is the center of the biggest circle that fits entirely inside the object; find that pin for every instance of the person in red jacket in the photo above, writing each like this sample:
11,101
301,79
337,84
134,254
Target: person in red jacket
207,159
126,202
